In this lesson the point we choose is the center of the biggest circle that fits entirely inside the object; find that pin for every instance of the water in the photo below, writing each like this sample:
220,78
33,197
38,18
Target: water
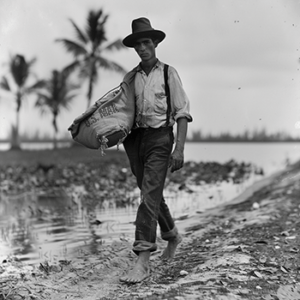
270,156
61,229
35,146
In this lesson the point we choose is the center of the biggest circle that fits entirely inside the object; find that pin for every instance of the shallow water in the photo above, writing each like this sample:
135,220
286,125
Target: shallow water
42,228
52,228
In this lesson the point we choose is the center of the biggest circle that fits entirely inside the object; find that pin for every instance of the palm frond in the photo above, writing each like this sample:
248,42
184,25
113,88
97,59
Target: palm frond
102,23
101,34
116,45
83,73
32,61
73,47
80,35
110,65
92,23
37,85
68,100
57,93
88,67
87,49
19,69
95,27
42,103
4,84
42,98
70,68
74,86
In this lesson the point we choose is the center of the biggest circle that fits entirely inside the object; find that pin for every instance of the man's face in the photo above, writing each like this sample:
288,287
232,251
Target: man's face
145,48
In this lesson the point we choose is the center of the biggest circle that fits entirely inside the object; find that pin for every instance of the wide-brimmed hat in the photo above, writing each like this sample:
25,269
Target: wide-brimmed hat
141,27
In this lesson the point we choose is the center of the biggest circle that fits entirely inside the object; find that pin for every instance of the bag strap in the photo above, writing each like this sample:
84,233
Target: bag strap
167,88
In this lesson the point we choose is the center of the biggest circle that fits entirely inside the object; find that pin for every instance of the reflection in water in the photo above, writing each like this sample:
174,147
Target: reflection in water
58,226
16,225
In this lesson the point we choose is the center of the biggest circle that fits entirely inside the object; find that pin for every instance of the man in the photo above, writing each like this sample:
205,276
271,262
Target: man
149,145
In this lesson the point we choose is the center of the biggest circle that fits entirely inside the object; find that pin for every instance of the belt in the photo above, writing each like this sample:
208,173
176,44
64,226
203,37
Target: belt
144,126
162,128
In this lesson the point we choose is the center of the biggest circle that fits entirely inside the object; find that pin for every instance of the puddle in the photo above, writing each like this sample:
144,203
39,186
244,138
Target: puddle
42,228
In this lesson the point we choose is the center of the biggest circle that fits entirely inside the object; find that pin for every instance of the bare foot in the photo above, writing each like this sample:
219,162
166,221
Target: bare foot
169,252
140,270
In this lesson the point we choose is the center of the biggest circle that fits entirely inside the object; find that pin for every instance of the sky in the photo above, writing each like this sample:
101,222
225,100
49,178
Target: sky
238,60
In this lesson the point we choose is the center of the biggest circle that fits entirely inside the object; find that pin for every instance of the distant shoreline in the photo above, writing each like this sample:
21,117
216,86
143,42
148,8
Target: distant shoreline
38,141
188,141
244,141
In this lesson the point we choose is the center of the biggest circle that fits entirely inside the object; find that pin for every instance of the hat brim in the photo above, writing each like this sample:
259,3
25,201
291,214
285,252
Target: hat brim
130,40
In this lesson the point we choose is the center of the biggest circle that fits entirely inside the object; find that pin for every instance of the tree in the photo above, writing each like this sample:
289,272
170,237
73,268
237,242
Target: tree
88,48
20,70
197,136
56,95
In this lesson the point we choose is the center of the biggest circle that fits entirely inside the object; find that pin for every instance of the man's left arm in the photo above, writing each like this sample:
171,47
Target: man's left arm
177,156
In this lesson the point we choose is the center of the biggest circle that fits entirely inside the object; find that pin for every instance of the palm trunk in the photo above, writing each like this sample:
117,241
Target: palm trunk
55,132
15,139
93,72
90,92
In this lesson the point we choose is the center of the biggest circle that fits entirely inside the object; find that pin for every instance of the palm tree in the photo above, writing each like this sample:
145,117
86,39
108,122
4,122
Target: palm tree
56,95
20,69
88,49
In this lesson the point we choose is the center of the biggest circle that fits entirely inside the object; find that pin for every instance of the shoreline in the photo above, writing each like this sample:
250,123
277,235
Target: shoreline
242,197
218,240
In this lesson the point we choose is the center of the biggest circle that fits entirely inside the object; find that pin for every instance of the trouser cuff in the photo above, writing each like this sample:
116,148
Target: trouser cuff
139,246
170,234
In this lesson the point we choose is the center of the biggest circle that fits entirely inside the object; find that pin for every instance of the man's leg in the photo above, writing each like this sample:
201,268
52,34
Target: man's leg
132,145
169,231
155,148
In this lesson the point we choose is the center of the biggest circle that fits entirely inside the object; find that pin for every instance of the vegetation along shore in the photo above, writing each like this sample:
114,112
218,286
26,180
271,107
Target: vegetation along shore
245,249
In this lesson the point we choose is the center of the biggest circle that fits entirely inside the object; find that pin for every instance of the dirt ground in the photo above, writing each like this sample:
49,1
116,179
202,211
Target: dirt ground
245,249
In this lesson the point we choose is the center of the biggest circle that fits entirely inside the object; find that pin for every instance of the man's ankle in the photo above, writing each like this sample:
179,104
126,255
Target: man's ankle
144,257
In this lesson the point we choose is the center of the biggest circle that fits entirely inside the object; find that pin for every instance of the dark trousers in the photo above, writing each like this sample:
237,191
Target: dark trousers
149,151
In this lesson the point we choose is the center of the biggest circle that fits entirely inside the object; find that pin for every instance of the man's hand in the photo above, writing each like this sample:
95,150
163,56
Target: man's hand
176,160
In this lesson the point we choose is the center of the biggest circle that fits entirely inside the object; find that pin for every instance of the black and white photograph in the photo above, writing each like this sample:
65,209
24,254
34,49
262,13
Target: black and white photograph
149,149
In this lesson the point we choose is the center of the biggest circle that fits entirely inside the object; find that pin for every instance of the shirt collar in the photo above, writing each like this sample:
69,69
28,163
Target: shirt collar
157,65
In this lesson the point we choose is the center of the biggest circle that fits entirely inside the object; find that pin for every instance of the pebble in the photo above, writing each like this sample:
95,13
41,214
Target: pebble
183,273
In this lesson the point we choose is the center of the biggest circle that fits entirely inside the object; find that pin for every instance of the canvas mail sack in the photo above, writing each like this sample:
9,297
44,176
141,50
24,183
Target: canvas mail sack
109,120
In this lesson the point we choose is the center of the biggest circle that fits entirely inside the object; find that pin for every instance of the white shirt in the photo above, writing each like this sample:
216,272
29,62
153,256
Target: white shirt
151,100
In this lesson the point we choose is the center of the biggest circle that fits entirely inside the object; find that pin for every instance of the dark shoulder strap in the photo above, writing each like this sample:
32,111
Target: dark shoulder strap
167,88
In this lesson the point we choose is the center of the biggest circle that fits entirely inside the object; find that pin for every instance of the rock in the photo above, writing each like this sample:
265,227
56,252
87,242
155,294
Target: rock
183,273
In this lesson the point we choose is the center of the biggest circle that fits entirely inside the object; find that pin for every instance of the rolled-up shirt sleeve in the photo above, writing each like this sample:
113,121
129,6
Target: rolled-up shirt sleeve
179,101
